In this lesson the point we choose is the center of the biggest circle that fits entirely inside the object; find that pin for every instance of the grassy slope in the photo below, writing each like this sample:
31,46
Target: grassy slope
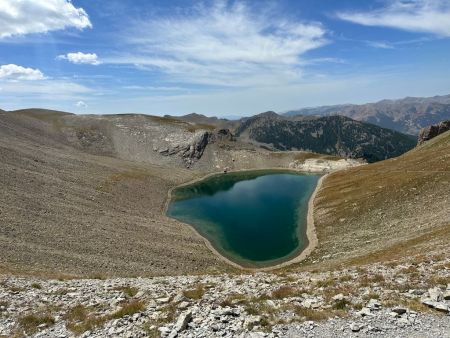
390,208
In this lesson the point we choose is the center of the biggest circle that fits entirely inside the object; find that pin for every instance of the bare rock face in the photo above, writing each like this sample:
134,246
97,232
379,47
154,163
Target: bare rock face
191,148
196,147
432,131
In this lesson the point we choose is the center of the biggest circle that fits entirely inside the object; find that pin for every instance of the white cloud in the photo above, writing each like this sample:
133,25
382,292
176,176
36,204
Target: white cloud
81,58
20,17
15,72
425,16
222,44
81,104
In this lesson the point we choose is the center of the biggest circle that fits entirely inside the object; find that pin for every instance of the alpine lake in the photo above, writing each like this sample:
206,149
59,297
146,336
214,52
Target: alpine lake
253,218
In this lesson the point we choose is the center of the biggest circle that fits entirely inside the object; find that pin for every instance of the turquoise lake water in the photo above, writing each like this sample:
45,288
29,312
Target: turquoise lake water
255,219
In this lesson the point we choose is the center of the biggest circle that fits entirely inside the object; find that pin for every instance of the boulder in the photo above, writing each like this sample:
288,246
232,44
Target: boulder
441,307
355,327
435,294
181,323
446,295
374,304
399,310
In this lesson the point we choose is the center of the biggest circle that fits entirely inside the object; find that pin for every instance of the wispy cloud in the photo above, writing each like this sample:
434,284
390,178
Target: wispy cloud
81,58
222,43
50,88
14,73
39,16
425,16
379,44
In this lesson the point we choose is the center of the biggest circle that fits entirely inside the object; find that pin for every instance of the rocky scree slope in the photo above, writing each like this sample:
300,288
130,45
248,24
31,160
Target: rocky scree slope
403,298
335,135
407,115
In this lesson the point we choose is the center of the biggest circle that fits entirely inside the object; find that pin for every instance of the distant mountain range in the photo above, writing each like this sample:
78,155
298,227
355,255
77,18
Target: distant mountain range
407,115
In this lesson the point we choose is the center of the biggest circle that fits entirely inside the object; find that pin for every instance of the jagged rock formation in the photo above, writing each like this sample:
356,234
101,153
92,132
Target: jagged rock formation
191,149
407,115
432,131
335,135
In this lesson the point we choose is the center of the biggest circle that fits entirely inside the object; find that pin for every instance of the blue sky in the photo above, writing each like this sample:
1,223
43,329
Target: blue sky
219,57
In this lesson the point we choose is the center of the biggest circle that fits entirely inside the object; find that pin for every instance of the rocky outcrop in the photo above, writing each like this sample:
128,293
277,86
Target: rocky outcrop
432,131
221,135
191,147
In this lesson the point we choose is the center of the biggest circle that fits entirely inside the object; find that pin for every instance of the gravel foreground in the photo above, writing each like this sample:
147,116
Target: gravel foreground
399,299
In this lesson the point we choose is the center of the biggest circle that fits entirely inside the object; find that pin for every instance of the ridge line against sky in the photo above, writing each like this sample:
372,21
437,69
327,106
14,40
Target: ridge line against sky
219,57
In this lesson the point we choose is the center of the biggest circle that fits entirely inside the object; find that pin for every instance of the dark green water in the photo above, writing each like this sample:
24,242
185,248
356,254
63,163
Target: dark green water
253,218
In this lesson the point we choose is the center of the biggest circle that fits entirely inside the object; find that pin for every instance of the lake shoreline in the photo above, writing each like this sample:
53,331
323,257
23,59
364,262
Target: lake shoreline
310,227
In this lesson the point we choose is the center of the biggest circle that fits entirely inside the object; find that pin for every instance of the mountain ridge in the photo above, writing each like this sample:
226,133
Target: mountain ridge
407,115
334,135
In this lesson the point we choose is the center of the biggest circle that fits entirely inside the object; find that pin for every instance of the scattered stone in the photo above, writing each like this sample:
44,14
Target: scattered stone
181,323
216,316
399,310
163,300
355,327
374,304
365,311
253,320
338,297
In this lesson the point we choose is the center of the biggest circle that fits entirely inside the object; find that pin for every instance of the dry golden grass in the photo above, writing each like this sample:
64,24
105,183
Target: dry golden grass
128,290
316,315
378,212
30,322
80,320
284,292
196,293
77,313
36,286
